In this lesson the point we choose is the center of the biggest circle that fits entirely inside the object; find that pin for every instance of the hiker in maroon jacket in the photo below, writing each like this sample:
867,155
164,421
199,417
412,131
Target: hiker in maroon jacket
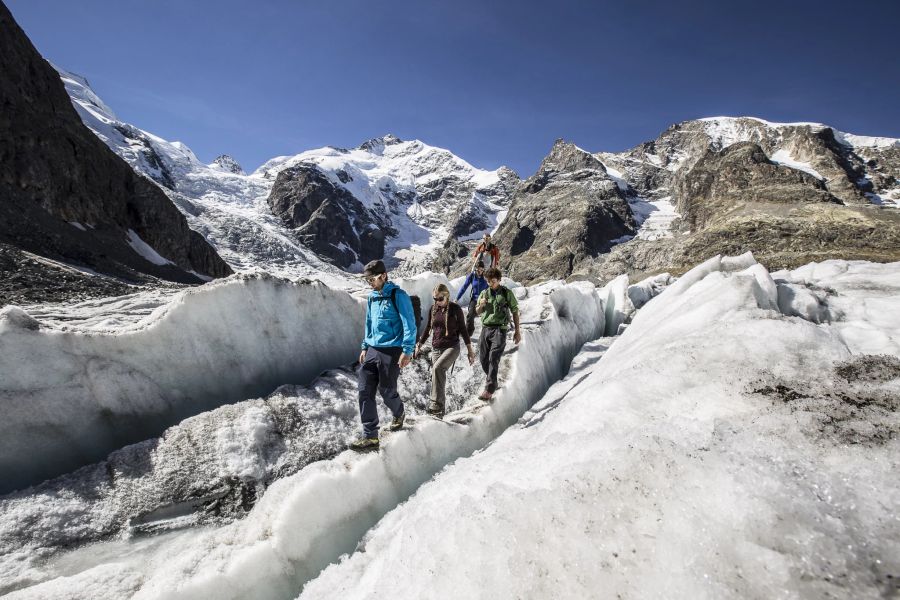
448,322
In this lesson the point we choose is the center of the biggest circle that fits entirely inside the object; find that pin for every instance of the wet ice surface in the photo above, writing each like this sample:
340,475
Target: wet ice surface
717,450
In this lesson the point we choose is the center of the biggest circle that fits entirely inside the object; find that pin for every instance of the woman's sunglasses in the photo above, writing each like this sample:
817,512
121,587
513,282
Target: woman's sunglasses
438,298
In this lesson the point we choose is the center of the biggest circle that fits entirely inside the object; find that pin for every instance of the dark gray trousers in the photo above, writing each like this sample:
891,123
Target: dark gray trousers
490,348
470,316
380,371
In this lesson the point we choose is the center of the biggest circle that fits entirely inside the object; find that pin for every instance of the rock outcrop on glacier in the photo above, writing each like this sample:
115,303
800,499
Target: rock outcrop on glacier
327,218
67,198
569,211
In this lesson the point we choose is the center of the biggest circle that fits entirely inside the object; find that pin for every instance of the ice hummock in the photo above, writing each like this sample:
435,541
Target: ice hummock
69,398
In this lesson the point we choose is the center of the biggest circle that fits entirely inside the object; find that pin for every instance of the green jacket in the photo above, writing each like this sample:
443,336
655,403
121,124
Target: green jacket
499,305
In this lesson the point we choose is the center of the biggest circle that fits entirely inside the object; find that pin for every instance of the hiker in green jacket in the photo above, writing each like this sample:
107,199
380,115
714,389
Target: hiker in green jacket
495,305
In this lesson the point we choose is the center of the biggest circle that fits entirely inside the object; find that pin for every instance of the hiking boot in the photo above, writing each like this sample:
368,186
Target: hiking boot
364,443
435,410
397,423
485,395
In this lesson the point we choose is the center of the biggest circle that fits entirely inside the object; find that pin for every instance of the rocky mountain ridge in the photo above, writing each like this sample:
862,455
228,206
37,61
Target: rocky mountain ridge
791,193
604,213
70,200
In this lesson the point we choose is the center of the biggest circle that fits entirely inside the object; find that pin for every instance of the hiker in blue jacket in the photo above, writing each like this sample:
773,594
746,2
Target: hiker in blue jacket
388,347
478,283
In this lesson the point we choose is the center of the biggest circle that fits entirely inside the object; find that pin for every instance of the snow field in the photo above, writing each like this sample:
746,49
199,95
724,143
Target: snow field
70,398
668,468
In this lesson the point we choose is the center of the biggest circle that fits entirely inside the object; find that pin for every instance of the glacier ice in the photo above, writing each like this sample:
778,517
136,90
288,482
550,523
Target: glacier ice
702,456
69,398
305,520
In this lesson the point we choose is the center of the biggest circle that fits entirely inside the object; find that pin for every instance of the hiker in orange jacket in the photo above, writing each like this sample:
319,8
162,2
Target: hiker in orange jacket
487,252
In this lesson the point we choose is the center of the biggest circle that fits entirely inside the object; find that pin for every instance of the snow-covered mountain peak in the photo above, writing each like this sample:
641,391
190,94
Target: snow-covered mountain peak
377,145
80,91
225,163
419,194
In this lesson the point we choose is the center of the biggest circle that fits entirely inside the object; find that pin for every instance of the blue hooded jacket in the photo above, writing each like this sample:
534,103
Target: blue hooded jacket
385,327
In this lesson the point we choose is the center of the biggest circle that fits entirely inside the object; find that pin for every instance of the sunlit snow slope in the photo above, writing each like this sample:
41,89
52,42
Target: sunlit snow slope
719,449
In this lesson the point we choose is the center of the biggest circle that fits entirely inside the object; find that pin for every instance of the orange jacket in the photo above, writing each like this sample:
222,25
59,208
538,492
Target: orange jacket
493,251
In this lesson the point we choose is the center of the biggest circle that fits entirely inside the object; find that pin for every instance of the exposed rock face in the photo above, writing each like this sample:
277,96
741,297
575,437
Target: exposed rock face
791,193
417,195
223,162
66,196
26,278
740,176
569,211
327,217
651,167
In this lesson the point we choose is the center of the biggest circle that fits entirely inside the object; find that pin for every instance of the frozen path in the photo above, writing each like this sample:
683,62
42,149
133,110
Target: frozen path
719,449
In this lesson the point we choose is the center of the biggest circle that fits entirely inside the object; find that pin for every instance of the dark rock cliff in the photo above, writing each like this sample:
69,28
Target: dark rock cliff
66,196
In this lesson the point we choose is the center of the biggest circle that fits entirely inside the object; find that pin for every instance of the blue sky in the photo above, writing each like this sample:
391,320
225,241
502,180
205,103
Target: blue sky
495,82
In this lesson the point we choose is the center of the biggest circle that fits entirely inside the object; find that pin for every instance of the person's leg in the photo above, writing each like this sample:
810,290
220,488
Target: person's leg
388,372
484,348
470,317
443,362
367,380
497,344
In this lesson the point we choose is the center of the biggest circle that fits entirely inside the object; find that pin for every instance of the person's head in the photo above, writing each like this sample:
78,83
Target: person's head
487,238
441,295
479,268
493,276
375,274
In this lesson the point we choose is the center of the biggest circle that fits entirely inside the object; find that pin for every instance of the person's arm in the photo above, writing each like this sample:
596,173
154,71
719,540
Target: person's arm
496,252
365,346
482,302
407,317
465,286
424,337
514,308
464,330
461,324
